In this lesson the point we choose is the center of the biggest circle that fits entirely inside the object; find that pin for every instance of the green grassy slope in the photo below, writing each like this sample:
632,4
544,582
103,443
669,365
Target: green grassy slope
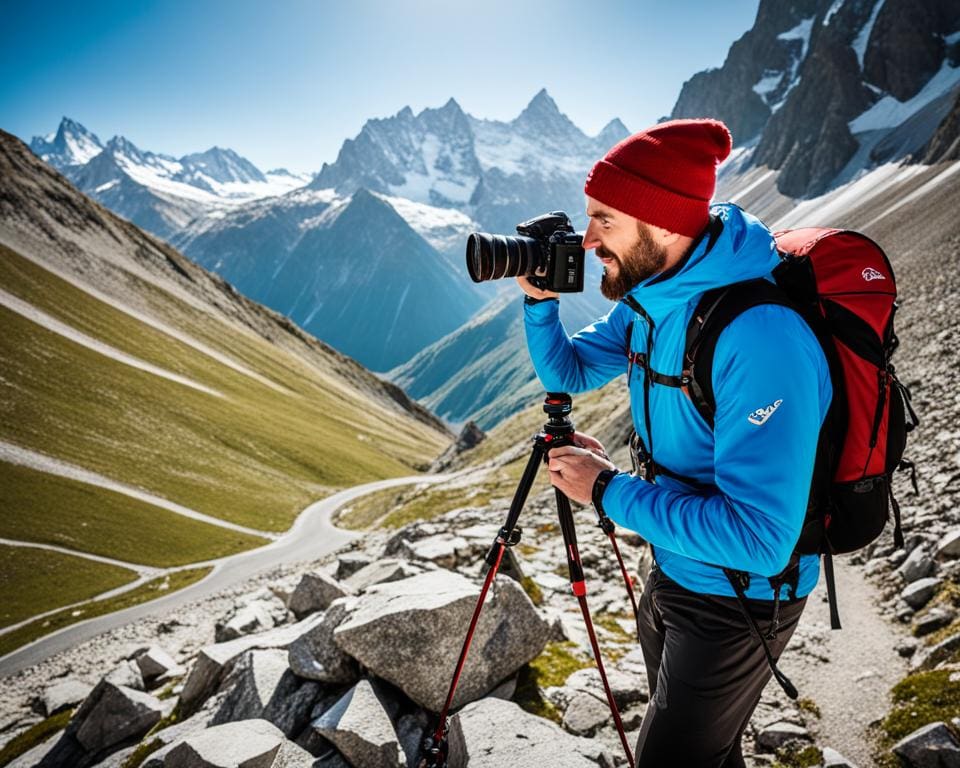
34,580
255,456
47,509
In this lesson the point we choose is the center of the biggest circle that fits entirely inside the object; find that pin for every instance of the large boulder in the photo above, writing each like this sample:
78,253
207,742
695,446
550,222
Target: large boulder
491,733
213,661
315,592
110,717
261,687
315,655
244,744
410,633
933,746
360,727
111,714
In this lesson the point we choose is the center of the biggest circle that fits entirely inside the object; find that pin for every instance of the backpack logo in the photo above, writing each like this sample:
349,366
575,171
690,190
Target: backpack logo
760,416
871,274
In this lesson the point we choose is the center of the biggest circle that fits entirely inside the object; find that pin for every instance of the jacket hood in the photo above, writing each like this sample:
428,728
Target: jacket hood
744,249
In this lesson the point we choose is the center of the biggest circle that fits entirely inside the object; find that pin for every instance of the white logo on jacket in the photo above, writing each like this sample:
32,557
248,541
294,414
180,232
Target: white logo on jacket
760,416
871,274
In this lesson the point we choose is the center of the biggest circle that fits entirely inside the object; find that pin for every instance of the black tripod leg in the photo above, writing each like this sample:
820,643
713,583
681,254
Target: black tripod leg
519,498
565,515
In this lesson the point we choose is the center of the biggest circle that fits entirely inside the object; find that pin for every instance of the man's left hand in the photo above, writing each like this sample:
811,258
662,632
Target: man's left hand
574,471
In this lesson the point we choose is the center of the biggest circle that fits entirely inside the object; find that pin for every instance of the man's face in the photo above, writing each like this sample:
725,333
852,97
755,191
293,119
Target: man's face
626,246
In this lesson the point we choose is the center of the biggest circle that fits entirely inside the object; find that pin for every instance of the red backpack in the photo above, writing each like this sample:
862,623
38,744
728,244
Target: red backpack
842,284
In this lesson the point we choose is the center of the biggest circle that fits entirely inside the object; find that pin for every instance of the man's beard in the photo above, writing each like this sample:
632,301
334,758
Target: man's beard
645,258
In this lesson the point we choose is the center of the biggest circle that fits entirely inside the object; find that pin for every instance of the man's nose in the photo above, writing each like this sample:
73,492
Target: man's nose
590,239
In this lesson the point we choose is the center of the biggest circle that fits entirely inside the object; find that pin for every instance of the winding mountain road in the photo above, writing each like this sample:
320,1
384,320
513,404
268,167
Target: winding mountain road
311,536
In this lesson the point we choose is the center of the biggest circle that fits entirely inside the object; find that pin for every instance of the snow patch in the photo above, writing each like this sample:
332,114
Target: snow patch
800,32
749,188
768,83
108,185
860,43
890,112
952,38
920,191
829,207
837,5
446,229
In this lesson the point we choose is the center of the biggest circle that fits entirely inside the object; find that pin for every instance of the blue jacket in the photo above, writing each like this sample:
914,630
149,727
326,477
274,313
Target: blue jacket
759,468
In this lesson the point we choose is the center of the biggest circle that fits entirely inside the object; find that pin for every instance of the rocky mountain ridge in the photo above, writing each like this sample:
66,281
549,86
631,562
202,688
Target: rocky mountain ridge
815,81
498,173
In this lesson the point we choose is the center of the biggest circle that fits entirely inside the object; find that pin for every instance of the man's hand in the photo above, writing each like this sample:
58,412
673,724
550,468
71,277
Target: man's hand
531,290
590,443
574,471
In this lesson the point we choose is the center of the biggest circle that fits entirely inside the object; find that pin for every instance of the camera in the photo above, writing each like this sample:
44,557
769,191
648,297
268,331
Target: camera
546,244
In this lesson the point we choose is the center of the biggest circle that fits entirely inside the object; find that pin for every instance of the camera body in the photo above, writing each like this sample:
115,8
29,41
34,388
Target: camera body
563,255
546,244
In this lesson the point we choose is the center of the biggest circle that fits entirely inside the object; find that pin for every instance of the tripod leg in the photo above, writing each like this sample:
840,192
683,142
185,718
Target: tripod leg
565,515
434,748
579,586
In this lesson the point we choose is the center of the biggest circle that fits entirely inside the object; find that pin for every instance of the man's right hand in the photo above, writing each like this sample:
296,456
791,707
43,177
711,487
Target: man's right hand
537,293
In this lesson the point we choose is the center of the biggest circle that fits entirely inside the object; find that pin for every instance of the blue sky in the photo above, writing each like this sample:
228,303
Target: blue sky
285,82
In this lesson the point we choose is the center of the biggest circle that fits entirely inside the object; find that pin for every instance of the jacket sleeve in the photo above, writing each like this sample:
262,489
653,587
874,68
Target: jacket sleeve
772,392
585,361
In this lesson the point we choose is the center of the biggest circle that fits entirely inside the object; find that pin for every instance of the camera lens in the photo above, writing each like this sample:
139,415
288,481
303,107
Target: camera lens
492,257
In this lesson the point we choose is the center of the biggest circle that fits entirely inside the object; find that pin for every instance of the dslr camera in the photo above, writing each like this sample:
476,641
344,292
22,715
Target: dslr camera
546,249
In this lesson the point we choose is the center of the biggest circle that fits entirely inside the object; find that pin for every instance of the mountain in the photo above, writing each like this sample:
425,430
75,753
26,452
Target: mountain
71,145
497,173
369,285
349,269
158,192
482,371
153,416
821,90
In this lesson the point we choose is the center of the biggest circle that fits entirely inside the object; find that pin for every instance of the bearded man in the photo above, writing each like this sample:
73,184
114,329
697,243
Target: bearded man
712,501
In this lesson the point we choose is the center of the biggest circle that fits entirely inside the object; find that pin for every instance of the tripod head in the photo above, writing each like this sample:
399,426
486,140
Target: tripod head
559,429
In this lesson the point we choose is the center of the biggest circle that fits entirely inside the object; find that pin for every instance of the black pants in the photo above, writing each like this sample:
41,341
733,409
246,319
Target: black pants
706,673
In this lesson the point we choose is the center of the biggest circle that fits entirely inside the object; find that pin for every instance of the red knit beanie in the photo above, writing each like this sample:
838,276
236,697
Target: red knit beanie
665,175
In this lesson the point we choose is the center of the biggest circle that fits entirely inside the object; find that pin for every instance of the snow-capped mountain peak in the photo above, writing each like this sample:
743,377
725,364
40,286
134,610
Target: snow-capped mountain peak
157,191
70,145
220,166
612,132
543,117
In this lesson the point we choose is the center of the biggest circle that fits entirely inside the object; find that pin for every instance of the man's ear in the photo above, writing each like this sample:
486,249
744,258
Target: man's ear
670,238
664,237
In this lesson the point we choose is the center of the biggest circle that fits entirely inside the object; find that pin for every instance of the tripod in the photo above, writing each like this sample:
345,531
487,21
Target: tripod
557,432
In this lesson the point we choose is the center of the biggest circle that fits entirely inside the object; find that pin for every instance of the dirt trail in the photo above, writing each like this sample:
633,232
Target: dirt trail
848,673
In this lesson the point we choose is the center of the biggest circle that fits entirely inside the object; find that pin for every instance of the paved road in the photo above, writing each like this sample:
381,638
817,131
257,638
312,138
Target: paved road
311,536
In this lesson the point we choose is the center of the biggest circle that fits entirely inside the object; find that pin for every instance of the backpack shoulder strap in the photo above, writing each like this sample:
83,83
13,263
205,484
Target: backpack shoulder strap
714,312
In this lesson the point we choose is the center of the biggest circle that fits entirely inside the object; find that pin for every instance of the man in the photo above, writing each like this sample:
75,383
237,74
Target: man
732,497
